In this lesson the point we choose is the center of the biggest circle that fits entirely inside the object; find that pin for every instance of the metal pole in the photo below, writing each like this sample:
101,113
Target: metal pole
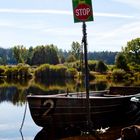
86,75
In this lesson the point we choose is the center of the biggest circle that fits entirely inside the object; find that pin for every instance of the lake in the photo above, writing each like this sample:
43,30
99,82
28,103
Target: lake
10,123
11,120
12,109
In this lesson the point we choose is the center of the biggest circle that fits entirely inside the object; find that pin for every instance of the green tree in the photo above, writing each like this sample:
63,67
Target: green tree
16,52
3,60
121,61
3,56
61,56
120,75
92,65
76,50
10,56
101,67
132,51
106,56
45,54
20,53
71,58
30,55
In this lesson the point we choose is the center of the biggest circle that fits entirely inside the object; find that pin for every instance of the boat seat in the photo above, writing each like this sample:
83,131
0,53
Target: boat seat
108,95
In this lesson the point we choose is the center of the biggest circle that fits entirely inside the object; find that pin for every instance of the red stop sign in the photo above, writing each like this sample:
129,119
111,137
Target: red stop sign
83,11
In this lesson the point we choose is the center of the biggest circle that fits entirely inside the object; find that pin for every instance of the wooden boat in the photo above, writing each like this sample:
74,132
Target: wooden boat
64,110
74,109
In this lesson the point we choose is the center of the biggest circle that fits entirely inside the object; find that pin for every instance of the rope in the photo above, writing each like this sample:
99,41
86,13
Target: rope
23,116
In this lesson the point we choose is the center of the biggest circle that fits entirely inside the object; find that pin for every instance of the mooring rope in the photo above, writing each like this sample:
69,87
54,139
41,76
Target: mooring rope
23,116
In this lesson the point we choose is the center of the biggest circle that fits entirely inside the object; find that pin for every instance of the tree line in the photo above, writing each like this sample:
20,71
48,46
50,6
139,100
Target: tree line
50,54
128,57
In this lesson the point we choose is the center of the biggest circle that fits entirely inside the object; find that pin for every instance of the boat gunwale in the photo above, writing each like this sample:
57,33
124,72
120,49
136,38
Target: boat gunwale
71,96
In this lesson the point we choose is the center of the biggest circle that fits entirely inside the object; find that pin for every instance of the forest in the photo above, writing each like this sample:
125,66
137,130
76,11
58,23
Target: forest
49,54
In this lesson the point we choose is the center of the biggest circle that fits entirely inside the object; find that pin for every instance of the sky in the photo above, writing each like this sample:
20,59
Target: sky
44,22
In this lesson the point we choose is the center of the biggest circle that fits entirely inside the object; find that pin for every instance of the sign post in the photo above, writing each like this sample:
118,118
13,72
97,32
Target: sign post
82,11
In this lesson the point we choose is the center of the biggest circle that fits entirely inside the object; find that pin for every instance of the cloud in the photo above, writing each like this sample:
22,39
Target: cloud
126,30
135,3
115,15
35,11
60,12
115,38
22,24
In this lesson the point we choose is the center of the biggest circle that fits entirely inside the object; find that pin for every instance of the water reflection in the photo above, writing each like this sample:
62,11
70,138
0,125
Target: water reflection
12,94
12,105
75,134
10,123
99,85
52,134
16,91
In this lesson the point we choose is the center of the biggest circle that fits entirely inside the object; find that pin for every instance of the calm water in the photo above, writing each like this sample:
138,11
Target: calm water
10,123
11,119
12,107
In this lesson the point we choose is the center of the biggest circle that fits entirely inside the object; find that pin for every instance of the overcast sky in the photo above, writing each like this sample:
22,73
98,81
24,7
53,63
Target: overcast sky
41,22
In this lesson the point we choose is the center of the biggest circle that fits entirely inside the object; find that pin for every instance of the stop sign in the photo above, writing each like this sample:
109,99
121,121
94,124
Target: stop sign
83,11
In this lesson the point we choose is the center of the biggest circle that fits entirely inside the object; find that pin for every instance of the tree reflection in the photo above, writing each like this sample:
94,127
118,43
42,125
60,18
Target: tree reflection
16,91
12,94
